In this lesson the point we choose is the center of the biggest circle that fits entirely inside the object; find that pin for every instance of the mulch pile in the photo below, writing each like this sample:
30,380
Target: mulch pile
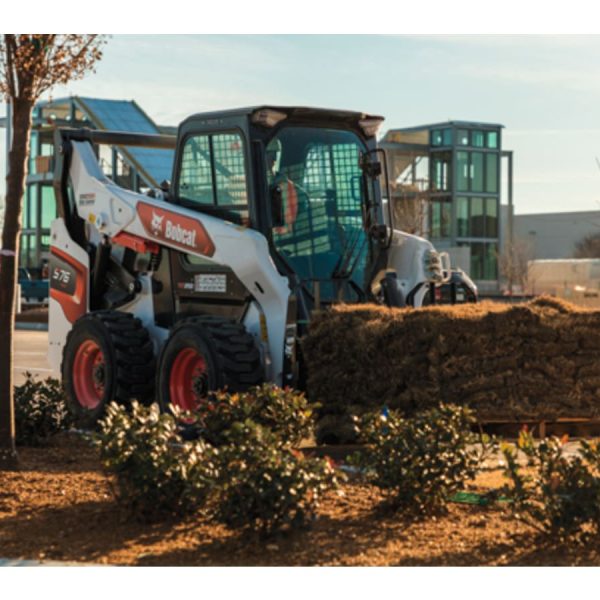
59,506
514,362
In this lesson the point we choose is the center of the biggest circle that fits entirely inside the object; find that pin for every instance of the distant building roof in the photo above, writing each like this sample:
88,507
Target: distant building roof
123,115
153,164
467,124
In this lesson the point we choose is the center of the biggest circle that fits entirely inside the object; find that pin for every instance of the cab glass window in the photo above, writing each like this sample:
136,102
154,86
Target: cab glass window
230,169
195,179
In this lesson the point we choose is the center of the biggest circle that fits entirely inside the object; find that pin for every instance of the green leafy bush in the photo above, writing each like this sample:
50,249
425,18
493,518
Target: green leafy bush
265,485
420,462
285,412
554,493
40,411
155,473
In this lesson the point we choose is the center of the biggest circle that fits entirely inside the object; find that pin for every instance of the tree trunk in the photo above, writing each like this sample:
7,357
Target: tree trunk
15,187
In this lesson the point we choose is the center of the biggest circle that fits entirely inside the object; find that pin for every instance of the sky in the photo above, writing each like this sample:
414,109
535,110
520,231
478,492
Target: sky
545,90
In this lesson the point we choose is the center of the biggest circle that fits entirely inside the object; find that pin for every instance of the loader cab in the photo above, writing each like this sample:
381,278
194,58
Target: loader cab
298,176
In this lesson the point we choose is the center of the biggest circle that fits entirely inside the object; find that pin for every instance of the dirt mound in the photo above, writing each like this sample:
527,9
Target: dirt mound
535,360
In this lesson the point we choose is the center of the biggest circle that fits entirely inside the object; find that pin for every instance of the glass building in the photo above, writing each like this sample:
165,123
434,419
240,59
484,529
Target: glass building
446,177
134,168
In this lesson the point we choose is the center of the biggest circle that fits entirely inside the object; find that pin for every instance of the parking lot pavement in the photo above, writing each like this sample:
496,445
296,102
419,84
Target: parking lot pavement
30,355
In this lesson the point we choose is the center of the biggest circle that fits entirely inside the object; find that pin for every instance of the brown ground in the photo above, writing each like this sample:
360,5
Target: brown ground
59,507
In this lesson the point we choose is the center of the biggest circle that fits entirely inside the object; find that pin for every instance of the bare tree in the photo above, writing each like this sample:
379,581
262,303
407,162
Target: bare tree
29,66
588,246
410,205
513,264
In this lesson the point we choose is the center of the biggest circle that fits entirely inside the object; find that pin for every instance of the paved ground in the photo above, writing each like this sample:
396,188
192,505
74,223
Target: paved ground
30,354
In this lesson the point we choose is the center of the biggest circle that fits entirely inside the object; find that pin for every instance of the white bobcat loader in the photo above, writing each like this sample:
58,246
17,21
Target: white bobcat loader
210,282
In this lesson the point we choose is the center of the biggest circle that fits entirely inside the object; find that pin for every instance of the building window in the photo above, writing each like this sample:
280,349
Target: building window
48,210
30,209
447,136
491,217
441,137
477,139
33,145
45,243
476,172
27,250
492,139
440,218
462,171
490,261
491,172
462,216
484,260
440,164
477,217
462,137
476,220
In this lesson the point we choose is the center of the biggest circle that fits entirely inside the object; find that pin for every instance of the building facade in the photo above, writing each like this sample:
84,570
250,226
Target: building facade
446,185
551,236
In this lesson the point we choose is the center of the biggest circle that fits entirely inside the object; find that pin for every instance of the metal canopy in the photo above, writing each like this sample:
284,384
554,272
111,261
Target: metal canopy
153,164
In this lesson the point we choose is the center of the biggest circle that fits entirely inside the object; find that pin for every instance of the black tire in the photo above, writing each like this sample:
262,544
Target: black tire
233,361
128,362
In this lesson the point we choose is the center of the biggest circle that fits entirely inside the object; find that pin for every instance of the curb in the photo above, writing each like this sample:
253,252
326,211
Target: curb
31,327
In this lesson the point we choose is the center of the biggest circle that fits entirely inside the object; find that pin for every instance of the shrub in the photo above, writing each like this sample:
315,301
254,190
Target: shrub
420,462
555,494
155,473
40,411
285,412
265,485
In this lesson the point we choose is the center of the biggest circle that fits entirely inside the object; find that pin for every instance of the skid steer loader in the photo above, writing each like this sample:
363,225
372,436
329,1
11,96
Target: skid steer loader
210,281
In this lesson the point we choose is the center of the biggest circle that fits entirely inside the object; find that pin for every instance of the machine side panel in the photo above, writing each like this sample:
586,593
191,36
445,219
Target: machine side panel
69,282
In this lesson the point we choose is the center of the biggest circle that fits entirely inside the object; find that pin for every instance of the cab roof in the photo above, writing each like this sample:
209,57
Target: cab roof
295,113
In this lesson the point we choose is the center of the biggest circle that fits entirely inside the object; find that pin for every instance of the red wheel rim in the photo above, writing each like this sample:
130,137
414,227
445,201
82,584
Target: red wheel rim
89,374
188,381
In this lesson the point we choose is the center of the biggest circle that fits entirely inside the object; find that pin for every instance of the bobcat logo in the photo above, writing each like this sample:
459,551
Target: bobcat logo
156,224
